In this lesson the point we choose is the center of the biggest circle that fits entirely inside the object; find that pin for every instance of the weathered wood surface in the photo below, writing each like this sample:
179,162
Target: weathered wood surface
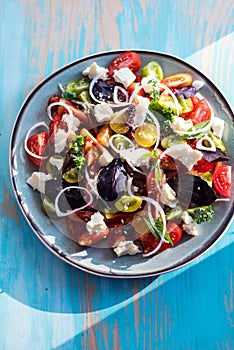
46,304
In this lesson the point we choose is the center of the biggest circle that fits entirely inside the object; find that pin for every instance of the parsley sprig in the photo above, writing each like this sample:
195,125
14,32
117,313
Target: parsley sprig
76,150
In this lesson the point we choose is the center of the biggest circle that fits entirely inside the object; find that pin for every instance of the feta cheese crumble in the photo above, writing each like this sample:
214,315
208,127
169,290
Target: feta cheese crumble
103,112
95,70
124,76
126,248
96,223
189,225
218,127
37,181
180,125
168,196
185,154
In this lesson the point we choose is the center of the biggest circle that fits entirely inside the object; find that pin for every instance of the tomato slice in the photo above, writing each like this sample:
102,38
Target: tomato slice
132,87
222,180
55,124
177,80
202,166
167,163
200,113
128,59
149,242
175,233
36,144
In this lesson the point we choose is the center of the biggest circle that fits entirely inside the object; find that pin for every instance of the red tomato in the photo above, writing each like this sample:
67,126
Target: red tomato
200,113
132,87
175,233
167,163
56,124
128,59
222,180
151,184
104,135
36,144
202,166
149,242
177,80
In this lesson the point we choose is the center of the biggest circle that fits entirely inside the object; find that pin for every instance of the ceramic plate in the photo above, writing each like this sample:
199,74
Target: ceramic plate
103,261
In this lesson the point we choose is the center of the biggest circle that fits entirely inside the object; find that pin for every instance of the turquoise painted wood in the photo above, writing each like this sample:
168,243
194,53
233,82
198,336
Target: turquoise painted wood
46,304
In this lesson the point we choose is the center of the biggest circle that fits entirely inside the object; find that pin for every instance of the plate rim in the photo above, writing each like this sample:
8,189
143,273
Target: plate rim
127,274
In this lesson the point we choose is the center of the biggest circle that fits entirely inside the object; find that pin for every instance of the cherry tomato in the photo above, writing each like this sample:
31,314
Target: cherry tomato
202,166
128,59
200,113
222,179
167,163
104,135
56,124
177,80
149,242
151,184
146,135
36,144
175,233
132,87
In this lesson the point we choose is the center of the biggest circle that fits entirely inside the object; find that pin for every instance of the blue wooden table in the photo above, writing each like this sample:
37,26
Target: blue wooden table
47,304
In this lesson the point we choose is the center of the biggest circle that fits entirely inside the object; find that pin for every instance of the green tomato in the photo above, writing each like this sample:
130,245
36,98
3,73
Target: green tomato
153,68
171,140
48,208
77,86
128,204
71,175
84,96
186,104
168,102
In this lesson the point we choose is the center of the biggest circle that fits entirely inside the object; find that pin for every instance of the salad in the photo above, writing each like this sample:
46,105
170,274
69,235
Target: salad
130,159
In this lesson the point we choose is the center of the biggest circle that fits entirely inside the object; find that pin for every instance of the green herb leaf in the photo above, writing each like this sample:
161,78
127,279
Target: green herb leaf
157,229
69,95
201,214
76,150
156,90
166,112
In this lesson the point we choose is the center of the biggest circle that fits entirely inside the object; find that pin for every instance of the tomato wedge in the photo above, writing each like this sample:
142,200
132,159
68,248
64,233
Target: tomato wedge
175,233
36,144
222,180
149,242
177,80
128,59
200,113
202,166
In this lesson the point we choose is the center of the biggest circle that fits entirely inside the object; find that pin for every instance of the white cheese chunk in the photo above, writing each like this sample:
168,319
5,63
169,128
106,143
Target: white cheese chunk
146,82
96,223
168,196
185,154
140,114
179,124
57,162
124,76
189,225
37,181
95,70
218,127
134,155
103,112
61,136
126,248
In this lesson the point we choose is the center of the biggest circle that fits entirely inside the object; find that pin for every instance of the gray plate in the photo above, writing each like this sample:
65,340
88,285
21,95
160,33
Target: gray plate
103,261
